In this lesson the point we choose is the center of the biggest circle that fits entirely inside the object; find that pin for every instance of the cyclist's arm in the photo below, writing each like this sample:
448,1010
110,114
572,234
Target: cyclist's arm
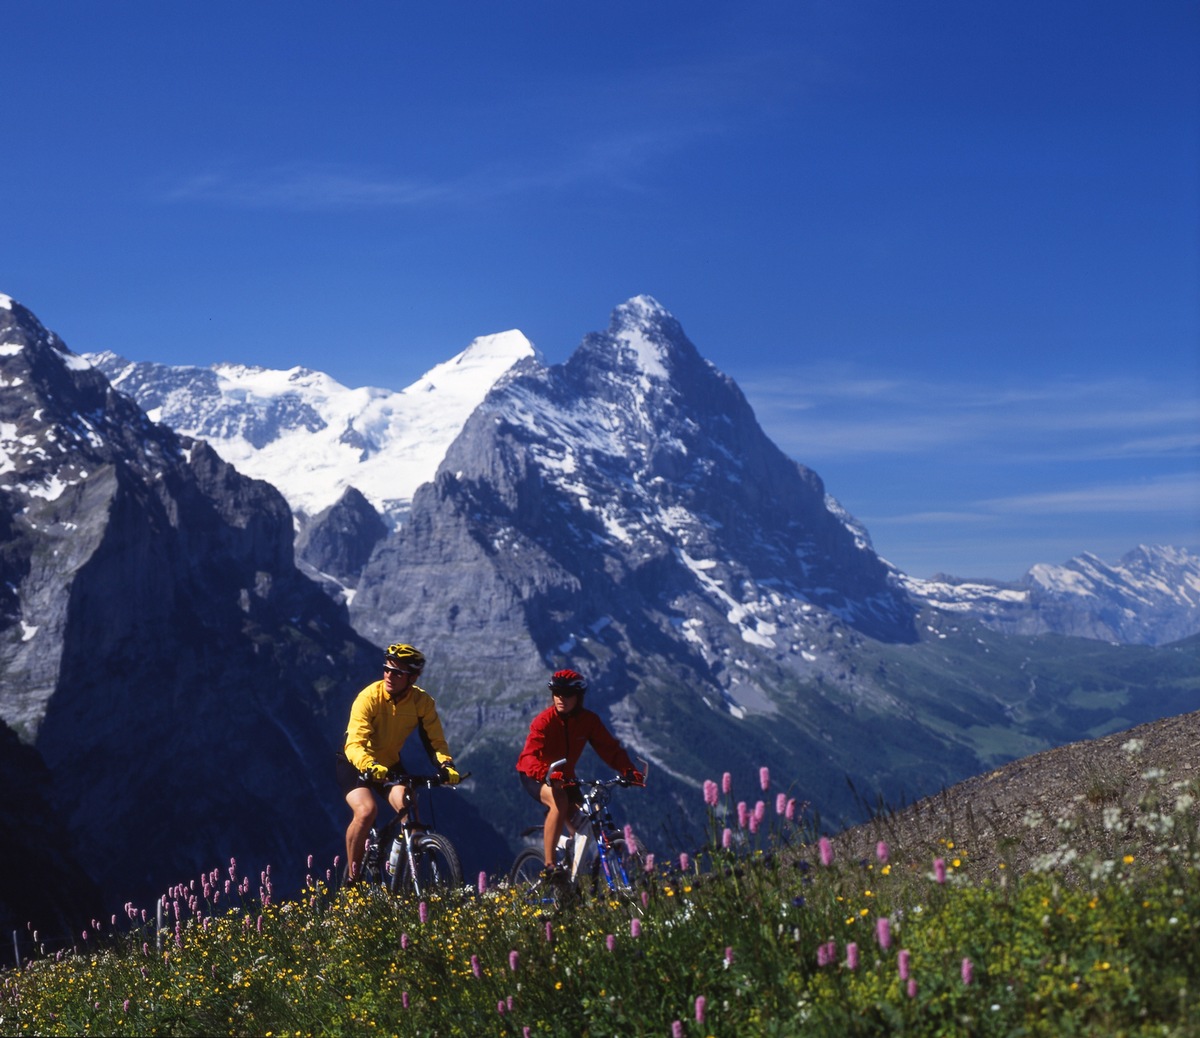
359,733
432,736
607,748
534,755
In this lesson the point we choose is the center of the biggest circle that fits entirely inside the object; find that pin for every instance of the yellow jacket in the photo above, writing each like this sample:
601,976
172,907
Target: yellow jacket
378,727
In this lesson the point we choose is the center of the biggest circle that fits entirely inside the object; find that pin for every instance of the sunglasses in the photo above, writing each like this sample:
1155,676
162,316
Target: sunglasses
400,670
565,693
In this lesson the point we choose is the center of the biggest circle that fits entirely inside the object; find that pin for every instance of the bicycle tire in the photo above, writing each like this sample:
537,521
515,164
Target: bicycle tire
438,867
527,869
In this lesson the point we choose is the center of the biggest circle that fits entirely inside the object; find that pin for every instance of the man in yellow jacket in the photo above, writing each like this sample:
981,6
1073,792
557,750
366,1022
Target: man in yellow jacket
383,716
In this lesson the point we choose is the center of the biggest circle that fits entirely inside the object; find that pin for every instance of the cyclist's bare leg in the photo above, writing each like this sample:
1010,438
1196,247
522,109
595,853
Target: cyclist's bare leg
362,804
559,814
396,797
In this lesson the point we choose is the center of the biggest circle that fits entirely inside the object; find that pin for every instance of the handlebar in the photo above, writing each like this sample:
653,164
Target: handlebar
558,765
412,781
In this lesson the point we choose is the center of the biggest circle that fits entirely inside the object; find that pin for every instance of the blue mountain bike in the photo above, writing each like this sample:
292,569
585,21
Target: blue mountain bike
596,860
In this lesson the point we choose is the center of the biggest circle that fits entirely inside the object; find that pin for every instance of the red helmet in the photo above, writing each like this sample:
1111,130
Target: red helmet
567,681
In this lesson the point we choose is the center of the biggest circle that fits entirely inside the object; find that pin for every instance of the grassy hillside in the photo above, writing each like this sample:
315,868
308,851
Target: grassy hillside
1080,916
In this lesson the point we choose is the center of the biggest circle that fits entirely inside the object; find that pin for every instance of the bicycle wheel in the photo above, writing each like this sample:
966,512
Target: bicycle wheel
527,869
437,865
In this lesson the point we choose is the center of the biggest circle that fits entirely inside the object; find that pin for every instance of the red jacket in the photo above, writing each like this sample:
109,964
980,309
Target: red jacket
553,736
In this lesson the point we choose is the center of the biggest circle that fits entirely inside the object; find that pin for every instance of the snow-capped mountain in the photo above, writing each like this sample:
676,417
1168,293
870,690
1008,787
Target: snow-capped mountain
310,436
314,440
1151,596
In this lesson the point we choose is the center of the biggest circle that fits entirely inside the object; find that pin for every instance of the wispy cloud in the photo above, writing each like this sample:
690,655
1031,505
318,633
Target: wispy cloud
1167,494
826,415
617,162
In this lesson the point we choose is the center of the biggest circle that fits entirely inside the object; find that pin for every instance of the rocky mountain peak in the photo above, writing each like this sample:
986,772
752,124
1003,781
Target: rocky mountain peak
644,340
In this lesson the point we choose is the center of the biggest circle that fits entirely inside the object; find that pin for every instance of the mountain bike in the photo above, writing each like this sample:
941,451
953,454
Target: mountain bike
407,857
596,858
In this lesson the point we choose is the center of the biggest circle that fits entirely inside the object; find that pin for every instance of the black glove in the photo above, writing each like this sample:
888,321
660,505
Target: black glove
633,777
448,774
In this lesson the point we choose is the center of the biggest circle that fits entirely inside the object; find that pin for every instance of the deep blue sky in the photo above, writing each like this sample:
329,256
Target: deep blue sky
949,250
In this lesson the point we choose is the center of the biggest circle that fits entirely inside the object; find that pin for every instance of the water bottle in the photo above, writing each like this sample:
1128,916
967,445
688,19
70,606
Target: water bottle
393,862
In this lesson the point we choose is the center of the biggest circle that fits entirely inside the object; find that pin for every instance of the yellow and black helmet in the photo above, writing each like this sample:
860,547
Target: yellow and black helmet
405,657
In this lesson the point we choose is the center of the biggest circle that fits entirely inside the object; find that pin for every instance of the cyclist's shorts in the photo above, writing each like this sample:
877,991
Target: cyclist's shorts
348,779
534,788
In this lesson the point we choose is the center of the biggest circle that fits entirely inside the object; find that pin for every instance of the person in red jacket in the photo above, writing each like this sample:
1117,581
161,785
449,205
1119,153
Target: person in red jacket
561,731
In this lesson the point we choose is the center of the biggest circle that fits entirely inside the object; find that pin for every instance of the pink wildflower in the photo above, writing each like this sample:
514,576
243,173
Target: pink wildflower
482,882
711,793
760,811
514,960
635,927
968,971
684,862
648,864
701,1003
781,800
610,942
475,966
789,812
903,962
501,1008
404,999
726,783
883,932
743,814
727,838
630,840
826,849
403,941
729,955
764,778
912,987
852,956
676,1029
822,954
423,912
549,932
939,869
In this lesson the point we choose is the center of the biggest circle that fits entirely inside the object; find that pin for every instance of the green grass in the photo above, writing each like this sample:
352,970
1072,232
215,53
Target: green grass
763,938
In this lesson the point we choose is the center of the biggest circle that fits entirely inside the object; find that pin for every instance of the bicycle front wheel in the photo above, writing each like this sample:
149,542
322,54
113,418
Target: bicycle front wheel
437,867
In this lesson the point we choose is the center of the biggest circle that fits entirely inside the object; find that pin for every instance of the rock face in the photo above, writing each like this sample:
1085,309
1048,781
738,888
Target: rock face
184,684
339,541
41,876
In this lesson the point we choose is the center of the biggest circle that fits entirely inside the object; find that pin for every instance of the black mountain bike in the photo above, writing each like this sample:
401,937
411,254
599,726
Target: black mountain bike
408,858
596,859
